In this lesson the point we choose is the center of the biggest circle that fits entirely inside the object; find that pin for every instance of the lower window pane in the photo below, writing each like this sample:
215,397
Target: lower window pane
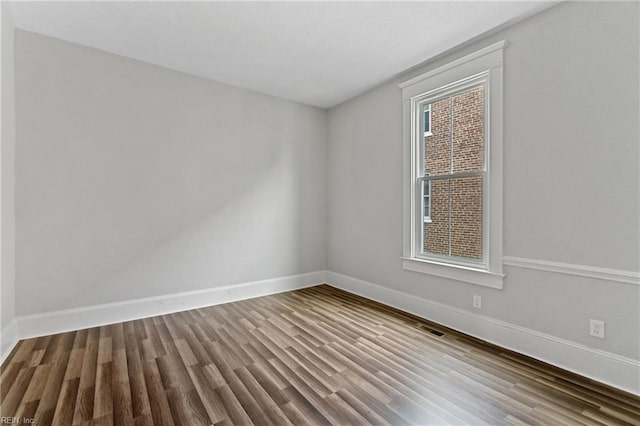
436,232
466,217
454,228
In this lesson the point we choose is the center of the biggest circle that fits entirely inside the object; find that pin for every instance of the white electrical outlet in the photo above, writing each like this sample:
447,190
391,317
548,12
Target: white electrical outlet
596,328
477,301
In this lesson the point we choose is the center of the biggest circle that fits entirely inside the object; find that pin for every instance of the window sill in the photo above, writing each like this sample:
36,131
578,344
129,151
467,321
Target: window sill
454,272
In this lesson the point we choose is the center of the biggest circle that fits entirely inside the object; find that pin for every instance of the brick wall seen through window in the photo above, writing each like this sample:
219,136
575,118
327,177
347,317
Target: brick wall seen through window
455,145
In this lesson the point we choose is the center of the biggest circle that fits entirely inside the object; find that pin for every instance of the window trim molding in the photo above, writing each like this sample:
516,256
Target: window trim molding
455,272
498,46
489,60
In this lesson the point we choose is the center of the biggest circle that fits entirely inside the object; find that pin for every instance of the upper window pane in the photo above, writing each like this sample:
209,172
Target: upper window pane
468,131
455,143
437,145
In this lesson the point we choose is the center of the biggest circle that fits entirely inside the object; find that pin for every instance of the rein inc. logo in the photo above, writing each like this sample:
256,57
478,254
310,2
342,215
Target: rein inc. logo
16,420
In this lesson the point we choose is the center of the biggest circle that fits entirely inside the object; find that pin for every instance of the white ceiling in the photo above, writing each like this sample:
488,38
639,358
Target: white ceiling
318,53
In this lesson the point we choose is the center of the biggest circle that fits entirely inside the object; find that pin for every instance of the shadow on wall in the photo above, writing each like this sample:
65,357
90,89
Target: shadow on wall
249,237
135,181
249,234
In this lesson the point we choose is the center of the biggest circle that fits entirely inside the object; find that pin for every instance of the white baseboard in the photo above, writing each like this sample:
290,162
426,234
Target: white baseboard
8,339
109,313
605,367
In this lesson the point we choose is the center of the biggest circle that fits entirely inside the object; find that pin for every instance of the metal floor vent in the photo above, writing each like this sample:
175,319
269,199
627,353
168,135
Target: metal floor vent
430,330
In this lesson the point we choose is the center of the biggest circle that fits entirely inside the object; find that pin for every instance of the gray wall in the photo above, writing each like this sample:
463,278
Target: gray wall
133,180
7,157
571,177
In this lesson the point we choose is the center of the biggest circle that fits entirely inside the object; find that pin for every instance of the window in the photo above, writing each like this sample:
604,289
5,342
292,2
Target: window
453,170
426,201
427,120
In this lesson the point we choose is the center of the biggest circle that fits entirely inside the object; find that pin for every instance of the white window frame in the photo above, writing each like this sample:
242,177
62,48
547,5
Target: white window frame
486,66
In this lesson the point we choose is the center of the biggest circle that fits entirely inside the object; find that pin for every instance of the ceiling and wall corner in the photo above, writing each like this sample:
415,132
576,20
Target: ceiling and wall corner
316,53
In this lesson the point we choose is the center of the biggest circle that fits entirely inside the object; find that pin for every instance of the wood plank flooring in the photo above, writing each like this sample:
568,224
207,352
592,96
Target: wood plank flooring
314,356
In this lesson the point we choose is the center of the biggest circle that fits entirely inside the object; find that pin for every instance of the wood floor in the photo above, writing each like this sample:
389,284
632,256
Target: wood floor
313,356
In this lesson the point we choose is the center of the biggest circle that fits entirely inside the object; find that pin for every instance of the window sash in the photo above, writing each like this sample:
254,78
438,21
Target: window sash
418,104
451,176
